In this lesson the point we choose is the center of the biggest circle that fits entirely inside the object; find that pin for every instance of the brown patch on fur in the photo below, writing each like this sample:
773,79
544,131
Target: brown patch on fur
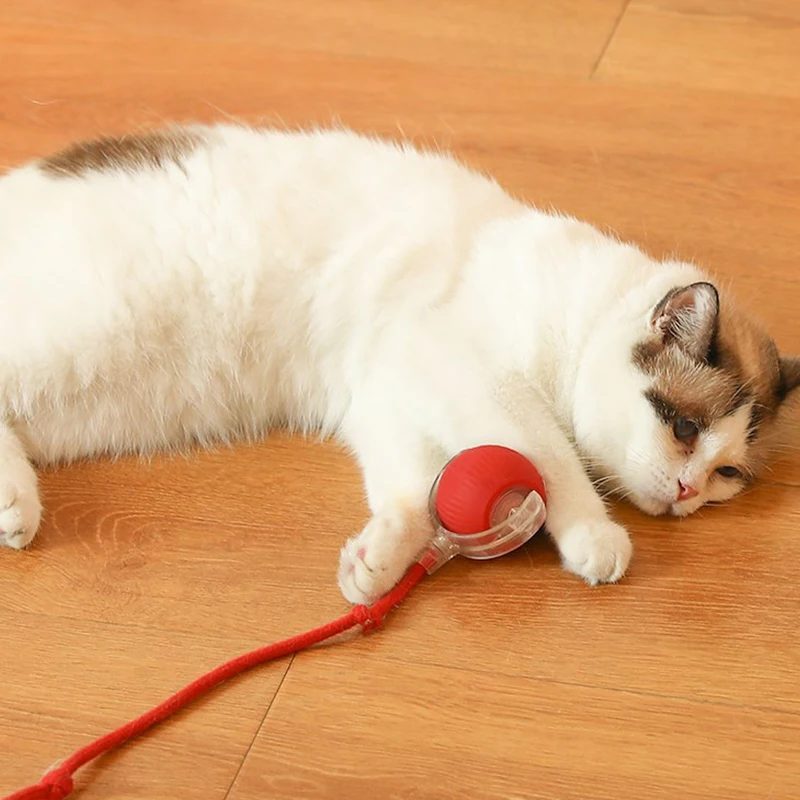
790,374
742,366
130,153
683,387
744,349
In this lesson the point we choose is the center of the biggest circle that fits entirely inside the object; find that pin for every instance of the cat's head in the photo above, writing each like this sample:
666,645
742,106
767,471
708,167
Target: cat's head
691,415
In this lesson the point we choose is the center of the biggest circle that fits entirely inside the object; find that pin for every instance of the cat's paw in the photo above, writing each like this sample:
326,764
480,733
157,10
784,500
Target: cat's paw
20,510
374,561
596,550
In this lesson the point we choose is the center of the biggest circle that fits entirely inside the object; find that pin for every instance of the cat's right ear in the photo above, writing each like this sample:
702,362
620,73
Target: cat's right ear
687,317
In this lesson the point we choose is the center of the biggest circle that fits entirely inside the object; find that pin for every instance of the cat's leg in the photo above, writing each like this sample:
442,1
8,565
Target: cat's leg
400,465
20,509
398,473
590,543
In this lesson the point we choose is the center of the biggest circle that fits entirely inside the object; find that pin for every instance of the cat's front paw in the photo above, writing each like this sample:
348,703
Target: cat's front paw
596,550
20,510
372,563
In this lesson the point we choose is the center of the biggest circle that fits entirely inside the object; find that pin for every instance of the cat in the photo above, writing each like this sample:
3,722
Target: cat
205,283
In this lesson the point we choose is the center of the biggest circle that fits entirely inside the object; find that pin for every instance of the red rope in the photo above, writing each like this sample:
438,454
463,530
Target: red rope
57,783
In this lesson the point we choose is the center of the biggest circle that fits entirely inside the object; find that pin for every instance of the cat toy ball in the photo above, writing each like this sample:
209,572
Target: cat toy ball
486,502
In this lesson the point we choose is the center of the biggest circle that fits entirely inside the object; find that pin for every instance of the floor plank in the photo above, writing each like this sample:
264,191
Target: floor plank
462,734
213,544
744,46
564,38
67,684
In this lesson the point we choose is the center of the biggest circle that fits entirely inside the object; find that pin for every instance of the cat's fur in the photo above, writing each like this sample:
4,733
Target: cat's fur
209,282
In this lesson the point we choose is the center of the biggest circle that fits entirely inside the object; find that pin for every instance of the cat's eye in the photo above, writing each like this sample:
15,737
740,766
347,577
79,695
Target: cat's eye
685,430
729,472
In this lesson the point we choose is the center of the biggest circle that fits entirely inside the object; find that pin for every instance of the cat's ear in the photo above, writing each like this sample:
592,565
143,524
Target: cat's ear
687,317
790,375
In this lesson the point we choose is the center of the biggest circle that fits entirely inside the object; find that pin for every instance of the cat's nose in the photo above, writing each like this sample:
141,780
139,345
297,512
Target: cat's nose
686,492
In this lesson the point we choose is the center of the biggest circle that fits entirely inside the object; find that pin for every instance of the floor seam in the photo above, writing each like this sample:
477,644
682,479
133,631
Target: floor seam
610,39
260,726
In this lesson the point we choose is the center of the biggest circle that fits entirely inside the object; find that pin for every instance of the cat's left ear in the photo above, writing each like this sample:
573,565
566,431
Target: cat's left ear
687,317
790,375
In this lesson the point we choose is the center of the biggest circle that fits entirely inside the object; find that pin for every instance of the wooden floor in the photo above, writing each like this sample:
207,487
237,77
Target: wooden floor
675,123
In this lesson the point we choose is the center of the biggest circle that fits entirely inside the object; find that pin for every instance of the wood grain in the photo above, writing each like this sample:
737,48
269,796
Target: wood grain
565,37
66,682
460,733
744,46
505,680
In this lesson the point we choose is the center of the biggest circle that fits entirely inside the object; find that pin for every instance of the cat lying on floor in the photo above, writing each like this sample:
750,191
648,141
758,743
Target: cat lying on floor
205,283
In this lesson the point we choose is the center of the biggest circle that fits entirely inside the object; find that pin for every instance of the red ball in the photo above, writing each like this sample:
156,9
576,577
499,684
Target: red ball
479,482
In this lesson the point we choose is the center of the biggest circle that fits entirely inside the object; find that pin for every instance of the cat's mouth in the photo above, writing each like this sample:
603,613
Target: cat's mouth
657,493
685,508
659,503
659,507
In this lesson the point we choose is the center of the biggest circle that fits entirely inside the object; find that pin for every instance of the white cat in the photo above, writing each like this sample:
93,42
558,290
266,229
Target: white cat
206,283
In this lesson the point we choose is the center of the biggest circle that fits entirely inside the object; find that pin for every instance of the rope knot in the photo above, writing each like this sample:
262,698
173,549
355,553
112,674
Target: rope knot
368,617
60,784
